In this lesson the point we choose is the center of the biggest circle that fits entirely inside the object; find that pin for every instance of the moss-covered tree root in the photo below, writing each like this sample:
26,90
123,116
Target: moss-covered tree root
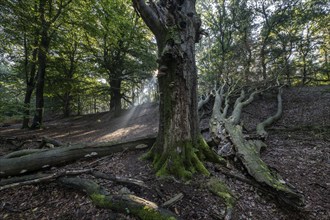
125,203
184,159
220,189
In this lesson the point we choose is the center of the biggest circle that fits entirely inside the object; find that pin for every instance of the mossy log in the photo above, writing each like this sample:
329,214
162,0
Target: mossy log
62,155
248,151
122,203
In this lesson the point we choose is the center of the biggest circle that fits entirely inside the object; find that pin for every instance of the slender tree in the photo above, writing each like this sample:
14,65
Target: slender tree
49,12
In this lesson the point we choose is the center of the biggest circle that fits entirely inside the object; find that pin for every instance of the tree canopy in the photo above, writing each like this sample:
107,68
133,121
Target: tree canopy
100,52
90,45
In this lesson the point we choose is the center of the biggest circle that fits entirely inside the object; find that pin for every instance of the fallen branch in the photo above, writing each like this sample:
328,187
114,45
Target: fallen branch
173,200
121,180
36,178
228,130
49,177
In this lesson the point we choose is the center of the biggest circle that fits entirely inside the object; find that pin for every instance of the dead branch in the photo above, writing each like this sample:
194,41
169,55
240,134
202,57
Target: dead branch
37,178
239,104
173,200
121,180
49,177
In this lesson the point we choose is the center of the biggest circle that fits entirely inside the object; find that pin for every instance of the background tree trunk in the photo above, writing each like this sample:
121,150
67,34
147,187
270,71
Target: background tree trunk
30,81
42,62
115,100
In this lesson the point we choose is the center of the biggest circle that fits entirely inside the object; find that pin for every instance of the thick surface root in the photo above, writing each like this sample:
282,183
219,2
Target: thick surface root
183,162
125,203
220,189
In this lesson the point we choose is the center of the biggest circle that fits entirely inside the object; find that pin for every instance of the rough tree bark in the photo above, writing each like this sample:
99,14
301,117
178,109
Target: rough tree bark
177,27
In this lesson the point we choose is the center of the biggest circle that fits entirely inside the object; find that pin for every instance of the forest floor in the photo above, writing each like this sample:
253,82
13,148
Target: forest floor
298,148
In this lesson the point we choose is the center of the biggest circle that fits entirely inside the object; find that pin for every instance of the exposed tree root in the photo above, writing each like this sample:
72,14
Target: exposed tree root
184,161
125,203
178,164
220,189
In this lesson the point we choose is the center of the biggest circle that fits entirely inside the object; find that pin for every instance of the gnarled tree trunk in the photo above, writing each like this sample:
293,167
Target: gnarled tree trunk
176,26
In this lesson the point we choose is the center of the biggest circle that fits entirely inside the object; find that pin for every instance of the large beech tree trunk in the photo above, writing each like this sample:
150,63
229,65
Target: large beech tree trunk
176,26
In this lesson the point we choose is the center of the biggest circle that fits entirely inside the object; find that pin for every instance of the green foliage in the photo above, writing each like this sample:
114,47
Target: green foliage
10,94
253,41
92,43
96,42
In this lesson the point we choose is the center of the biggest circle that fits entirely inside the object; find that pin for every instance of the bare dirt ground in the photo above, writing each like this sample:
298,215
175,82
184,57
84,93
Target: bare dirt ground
298,148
